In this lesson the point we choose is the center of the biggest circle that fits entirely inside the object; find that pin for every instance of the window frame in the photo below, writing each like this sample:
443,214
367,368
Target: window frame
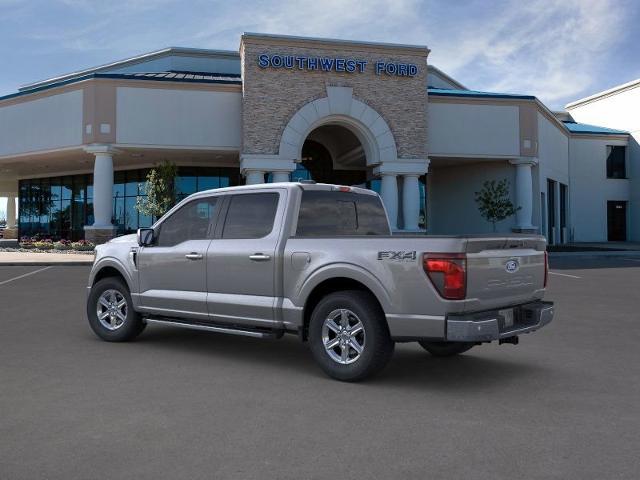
213,221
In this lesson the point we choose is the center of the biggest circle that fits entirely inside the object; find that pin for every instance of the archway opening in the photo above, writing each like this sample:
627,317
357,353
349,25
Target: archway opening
332,153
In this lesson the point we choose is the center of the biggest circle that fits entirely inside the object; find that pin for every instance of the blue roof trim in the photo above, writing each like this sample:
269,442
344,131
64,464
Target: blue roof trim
444,92
575,127
227,79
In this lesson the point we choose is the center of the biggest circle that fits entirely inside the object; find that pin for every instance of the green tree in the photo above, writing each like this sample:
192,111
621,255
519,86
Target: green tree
494,203
160,190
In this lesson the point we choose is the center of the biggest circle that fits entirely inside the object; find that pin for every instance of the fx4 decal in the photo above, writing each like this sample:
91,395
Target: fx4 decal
401,256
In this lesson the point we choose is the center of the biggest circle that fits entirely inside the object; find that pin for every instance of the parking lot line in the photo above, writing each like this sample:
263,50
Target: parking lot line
564,275
25,275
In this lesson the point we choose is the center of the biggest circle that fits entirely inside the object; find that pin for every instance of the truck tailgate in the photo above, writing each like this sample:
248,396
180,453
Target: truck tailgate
504,271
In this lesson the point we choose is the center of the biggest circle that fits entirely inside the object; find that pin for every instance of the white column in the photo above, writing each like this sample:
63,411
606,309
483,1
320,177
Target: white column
11,211
253,177
102,186
103,190
524,192
280,176
389,194
410,201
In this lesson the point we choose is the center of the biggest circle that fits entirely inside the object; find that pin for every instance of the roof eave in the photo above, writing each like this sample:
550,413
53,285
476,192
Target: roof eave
603,94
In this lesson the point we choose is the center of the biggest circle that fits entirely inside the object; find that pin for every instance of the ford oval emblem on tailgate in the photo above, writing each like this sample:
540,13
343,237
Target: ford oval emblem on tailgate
512,266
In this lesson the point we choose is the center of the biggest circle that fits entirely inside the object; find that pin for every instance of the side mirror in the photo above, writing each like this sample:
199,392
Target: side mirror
146,237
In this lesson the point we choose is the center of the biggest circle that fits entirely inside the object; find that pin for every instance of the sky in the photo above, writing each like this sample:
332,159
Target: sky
558,50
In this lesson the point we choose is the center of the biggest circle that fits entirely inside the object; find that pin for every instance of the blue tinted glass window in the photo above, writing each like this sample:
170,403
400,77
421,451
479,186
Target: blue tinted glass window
118,184
67,188
207,183
131,185
131,214
186,185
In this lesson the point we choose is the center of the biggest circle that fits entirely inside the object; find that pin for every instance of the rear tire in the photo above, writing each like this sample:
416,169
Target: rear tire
446,349
110,311
349,337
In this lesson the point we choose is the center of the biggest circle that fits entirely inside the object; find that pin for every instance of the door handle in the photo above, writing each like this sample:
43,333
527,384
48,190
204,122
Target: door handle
193,256
259,257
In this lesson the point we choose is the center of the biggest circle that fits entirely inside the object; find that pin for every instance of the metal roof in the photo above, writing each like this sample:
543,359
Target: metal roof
176,75
186,77
145,57
575,127
444,92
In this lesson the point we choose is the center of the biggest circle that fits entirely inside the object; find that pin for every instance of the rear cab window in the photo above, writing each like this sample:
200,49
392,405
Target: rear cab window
327,213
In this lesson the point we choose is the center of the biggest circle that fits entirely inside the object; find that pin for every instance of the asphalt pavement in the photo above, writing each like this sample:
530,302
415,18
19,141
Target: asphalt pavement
181,404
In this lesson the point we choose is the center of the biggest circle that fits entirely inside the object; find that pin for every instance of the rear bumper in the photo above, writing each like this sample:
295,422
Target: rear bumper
488,326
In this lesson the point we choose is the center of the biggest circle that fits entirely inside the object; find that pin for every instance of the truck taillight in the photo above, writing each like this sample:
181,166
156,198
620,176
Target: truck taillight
448,273
546,268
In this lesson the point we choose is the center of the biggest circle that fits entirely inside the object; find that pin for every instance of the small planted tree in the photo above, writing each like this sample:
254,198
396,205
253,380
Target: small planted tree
160,190
494,203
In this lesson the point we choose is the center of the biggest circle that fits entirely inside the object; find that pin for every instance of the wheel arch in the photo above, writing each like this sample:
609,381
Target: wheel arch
109,268
336,280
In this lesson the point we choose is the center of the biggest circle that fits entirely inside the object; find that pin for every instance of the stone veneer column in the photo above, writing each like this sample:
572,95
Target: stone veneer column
524,193
102,228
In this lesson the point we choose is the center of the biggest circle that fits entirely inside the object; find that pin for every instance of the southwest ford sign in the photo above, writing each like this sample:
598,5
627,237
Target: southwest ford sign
331,64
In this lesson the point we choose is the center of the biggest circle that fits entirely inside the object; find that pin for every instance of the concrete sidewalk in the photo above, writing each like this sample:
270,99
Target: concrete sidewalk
44,259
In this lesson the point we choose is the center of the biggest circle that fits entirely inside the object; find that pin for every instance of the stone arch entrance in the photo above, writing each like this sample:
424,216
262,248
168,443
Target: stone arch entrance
345,141
340,108
331,153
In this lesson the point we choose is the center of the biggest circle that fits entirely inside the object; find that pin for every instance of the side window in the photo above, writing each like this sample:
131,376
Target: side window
328,213
250,215
190,222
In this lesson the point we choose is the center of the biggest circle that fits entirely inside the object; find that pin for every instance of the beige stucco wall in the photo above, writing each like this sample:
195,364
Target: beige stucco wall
178,117
272,96
459,129
50,122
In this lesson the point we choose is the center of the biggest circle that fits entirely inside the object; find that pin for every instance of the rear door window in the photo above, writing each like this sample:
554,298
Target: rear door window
250,215
332,213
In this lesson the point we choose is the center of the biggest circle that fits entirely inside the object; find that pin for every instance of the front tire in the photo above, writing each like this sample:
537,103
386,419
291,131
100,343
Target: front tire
446,349
348,336
110,311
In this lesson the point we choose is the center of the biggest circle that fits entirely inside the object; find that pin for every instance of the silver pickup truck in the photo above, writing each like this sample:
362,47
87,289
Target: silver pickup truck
318,261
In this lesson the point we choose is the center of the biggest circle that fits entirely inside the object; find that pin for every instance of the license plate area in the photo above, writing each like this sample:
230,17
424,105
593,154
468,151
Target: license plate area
507,318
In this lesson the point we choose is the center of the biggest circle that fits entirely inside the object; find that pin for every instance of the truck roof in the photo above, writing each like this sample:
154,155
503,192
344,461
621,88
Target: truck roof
304,185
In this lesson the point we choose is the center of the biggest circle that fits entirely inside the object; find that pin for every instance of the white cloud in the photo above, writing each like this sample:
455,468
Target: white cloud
554,49
547,48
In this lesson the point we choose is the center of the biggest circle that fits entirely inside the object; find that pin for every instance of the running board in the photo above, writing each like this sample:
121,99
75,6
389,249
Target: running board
213,328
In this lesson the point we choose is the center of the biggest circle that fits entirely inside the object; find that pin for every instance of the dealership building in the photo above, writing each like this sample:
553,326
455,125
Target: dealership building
75,149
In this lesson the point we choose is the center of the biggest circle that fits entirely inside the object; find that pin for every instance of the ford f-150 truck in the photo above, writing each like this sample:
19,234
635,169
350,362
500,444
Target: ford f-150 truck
318,261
